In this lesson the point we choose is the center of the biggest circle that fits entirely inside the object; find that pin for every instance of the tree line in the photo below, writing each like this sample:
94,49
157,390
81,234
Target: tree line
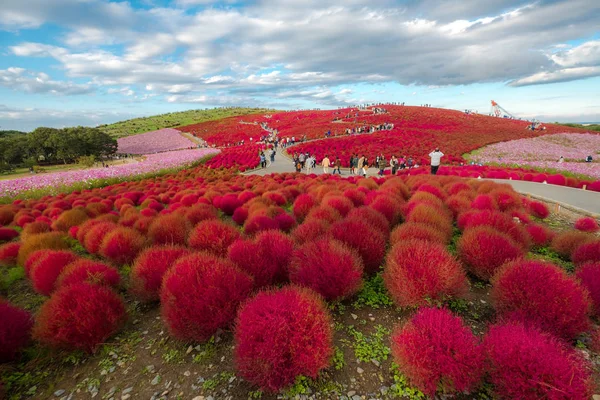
45,146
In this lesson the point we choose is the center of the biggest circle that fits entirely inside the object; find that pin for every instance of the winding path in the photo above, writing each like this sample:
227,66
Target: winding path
582,201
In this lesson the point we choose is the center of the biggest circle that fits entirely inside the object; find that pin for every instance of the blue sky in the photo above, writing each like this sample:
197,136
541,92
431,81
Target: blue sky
70,62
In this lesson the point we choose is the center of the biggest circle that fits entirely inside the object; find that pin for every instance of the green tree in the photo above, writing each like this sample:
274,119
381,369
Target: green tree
41,143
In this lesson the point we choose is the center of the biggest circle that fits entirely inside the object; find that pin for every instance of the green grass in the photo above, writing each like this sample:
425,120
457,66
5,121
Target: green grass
171,120
593,127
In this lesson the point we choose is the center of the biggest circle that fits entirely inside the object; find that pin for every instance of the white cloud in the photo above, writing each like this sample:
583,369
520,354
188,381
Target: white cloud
31,82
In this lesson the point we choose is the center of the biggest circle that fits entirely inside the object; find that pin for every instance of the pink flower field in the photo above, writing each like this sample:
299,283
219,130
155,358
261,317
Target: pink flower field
544,152
151,163
154,142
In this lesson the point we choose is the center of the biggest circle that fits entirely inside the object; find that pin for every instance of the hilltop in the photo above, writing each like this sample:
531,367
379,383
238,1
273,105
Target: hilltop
170,120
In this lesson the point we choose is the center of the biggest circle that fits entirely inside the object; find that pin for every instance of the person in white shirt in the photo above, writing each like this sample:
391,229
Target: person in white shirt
436,157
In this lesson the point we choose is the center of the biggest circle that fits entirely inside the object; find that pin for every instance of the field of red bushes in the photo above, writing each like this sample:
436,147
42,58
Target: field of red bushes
417,131
275,266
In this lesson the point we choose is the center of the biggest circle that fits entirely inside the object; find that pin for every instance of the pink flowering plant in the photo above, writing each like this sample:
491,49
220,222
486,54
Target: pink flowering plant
154,142
544,152
152,163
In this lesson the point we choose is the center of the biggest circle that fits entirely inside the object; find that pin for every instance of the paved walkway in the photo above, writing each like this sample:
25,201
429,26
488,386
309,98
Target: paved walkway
579,200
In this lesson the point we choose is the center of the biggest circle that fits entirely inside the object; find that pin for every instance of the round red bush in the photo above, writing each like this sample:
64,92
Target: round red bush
15,331
589,276
278,248
483,250
201,212
92,240
122,245
371,217
418,231
88,271
70,218
213,236
366,240
587,224
200,294
527,291
565,243
499,221
587,252
302,206
7,234
168,229
6,215
281,335
310,230
250,257
484,202
240,215
339,203
524,363
9,253
35,228
79,316
328,267
150,267
539,209
46,268
436,351
540,235
258,223
417,272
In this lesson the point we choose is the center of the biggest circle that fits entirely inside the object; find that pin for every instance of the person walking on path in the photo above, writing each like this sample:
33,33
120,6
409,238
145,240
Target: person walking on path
263,160
436,157
409,163
309,164
326,163
365,166
381,164
273,155
394,164
338,165
352,164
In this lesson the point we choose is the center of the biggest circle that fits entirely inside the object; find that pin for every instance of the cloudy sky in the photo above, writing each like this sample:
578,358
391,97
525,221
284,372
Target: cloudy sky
69,62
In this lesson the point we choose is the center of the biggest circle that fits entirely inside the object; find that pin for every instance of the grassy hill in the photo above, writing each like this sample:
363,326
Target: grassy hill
593,127
172,120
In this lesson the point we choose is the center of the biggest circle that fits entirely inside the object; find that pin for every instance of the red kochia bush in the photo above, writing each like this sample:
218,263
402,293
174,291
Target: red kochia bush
528,291
565,243
436,351
414,230
122,245
79,316
266,257
310,230
539,209
328,267
200,294
47,267
92,240
417,272
70,218
483,250
15,331
7,234
150,267
258,223
587,252
524,363
587,224
88,271
9,253
168,229
281,335
540,235
213,236
366,240
589,276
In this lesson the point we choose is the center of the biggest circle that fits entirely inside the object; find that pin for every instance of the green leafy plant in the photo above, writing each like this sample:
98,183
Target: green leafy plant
370,347
373,294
